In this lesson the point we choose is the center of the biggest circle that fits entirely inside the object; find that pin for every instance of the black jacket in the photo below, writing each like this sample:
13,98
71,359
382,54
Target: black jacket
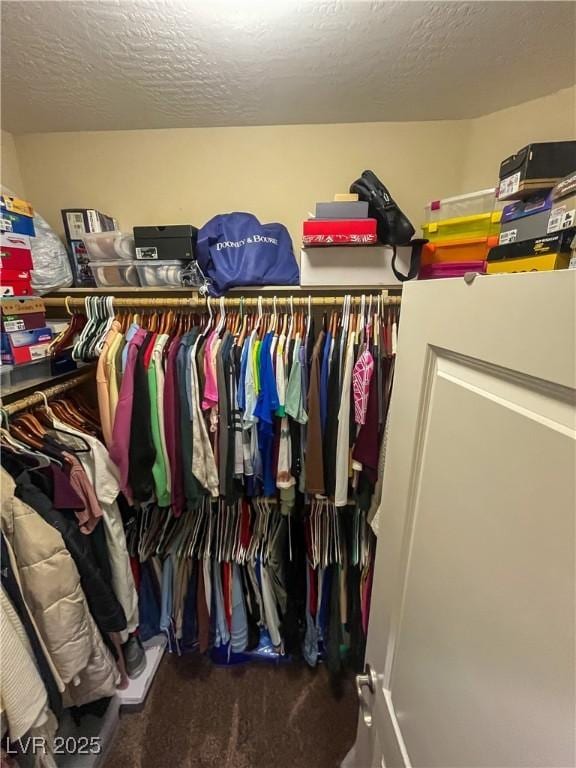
141,449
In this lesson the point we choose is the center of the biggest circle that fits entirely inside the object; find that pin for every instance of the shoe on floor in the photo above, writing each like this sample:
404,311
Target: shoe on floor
134,657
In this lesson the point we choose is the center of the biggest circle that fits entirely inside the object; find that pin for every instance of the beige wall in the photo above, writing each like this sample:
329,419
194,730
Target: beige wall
277,172
493,137
10,175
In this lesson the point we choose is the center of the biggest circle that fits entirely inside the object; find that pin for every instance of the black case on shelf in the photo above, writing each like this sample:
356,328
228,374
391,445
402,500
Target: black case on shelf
175,242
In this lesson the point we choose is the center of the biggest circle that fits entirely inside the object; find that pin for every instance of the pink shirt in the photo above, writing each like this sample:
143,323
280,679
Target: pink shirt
210,398
119,447
361,376
89,517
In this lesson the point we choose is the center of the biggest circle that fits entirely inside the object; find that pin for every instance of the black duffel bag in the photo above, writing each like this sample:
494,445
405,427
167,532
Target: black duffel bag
393,227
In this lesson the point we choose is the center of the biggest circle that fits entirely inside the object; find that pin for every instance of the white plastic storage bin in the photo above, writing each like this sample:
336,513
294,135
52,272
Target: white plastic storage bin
161,274
29,374
17,377
5,378
484,201
114,273
109,246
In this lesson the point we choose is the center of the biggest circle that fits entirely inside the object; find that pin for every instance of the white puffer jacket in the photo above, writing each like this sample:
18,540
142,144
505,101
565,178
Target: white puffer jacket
51,588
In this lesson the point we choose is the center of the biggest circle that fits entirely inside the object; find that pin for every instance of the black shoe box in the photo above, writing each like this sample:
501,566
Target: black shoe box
536,168
173,242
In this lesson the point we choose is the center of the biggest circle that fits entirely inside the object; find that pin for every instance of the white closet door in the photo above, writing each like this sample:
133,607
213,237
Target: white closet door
471,639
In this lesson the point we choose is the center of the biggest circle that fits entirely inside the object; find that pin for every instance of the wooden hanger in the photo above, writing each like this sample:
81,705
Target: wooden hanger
23,431
69,412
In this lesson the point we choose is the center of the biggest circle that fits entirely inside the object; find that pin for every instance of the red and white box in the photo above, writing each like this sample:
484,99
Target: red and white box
15,252
25,346
15,282
318,232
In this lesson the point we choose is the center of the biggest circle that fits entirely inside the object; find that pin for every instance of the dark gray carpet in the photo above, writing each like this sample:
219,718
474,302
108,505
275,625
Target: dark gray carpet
254,716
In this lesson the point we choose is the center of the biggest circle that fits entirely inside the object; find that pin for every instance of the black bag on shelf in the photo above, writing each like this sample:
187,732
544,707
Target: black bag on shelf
393,226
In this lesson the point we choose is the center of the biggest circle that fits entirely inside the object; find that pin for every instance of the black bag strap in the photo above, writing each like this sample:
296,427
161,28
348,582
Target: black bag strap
415,257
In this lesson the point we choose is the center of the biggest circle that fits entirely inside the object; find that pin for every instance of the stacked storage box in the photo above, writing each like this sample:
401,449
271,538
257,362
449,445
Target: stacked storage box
16,229
538,226
341,222
154,257
539,254
525,219
460,230
24,339
339,247
165,256
110,257
563,208
79,222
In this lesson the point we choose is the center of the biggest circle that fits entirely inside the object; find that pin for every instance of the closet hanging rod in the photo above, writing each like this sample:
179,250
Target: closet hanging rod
37,398
251,301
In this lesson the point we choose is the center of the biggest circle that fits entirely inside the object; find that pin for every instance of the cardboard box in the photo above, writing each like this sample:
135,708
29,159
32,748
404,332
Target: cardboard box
536,255
521,208
536,168
339,232
16,223
25,346
342,210
566,187
22,314
346,197
14,282
563,214
78,221
524,228
529,264
341,266
558,242
80,263
15,251
173,243
15,205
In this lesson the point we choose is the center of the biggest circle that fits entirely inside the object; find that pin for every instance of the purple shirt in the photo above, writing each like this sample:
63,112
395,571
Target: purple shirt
172,428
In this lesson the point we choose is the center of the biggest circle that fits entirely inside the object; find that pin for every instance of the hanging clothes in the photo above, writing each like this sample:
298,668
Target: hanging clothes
234,429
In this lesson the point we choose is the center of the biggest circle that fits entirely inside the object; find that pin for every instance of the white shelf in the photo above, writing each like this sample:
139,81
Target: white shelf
35,382
120,291
135,694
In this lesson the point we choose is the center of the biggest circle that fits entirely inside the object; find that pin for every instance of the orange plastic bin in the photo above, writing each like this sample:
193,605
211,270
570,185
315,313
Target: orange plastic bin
458,250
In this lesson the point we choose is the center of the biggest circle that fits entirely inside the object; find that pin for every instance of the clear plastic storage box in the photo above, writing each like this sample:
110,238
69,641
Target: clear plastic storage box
16,377
109,246
5,378
484,201
161,273
115,273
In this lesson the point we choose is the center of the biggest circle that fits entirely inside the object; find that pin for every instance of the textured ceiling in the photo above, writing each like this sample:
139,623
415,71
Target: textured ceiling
120,64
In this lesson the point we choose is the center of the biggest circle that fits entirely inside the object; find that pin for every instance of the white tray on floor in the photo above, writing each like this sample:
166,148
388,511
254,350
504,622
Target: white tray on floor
75,745
137,690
